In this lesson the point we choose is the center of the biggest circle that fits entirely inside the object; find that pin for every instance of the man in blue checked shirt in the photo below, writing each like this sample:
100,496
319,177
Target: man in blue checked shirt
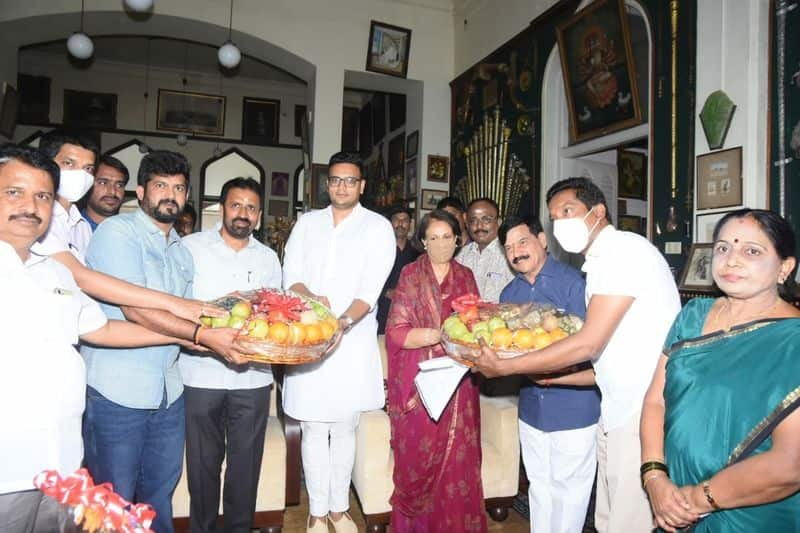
558,412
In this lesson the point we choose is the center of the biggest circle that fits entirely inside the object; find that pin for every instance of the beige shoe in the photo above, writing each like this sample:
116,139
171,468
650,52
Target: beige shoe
344,525
320,526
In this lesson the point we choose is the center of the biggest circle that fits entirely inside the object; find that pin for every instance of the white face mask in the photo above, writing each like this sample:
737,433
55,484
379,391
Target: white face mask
572,233
74,184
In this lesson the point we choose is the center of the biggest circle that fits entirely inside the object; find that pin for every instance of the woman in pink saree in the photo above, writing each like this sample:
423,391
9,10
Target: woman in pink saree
437,472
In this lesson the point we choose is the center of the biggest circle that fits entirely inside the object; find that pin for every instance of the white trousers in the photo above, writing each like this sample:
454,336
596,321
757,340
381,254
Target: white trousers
622,505
560,467
328,450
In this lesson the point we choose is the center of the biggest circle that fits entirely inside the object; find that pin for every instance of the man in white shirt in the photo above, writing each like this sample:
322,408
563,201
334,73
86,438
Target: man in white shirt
631,303
484,255
341,256
42,376
227,405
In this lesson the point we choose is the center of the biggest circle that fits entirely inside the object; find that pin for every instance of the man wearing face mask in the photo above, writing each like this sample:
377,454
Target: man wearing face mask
107,193
400,217
484,255
75,153
632,301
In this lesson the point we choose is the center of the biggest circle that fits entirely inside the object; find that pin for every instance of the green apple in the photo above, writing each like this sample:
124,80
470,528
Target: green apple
480,326
258,328
236,322
467,337
242,309
220,321
206,321
483,334
495,323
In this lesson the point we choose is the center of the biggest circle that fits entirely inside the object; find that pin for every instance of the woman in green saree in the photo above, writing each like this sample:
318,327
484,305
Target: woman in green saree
720,433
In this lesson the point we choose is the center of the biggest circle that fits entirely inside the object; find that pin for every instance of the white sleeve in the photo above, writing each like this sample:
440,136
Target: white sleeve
293,255
274,278
56,239
92,317
379,262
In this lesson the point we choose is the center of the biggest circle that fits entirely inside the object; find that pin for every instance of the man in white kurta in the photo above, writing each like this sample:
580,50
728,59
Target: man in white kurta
341,255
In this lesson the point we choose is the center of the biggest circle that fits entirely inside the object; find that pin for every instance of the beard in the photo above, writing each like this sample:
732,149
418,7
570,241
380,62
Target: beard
100,208
165,211
239,231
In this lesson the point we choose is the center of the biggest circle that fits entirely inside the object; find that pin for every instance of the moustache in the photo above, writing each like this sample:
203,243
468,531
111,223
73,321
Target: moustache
520,258
235,220
31,216
168,202
479,231
112,198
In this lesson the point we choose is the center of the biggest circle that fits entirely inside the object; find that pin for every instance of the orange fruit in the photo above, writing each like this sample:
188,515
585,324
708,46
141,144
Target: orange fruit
313,333
523,338
278,332
326,330
557,334
541,340
501,338
297,333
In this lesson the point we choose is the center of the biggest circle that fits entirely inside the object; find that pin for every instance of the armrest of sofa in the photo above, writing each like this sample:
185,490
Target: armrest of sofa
500,445
374,463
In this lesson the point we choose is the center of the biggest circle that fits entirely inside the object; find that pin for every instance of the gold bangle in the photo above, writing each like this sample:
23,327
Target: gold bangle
710,497
651,477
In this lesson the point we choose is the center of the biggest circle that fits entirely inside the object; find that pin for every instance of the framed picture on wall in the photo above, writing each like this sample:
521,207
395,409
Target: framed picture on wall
632,175
388,48
599,77
705,225
429,198
260,120
631,223
279,186
190,112
90,110
719,179
278,208
412,144
697,272
319,186
438,166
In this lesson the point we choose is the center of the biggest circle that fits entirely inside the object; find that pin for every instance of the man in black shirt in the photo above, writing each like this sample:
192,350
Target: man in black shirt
400,217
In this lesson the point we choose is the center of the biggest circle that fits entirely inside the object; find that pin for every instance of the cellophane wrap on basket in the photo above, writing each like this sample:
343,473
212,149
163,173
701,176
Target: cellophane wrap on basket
277,326
509,329
95,508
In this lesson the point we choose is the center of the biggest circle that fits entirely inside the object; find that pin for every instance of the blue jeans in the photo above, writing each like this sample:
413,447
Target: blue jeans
139,451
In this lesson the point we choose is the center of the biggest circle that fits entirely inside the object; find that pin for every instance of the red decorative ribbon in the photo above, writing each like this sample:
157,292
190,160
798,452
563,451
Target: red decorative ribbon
96,507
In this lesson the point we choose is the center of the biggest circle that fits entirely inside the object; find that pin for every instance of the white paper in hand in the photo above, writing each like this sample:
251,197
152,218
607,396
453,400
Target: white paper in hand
436,382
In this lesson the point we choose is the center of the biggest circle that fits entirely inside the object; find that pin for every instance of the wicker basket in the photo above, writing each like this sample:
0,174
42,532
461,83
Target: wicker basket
466,353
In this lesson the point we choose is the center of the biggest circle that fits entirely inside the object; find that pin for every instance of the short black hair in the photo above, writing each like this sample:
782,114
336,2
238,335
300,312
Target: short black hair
399,209
240,183
113,162
533,223
188,209
487,201
351,158
586,192
31,157
450,201
162,163
442,216
51,142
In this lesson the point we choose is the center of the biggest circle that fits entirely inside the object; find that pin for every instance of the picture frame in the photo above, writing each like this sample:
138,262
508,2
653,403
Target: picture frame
9,106
430,197
319,186
278,208
89,109
190,112
388,49
696,274
705,224
411,179
412,144
279,184
438,168
261,120
631,175
630,223
719,179
599,76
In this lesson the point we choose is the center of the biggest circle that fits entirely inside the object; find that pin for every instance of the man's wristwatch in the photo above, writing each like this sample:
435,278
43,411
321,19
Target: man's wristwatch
348,321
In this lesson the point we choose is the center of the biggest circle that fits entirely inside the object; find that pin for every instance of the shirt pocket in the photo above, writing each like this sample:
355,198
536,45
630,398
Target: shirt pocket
64,307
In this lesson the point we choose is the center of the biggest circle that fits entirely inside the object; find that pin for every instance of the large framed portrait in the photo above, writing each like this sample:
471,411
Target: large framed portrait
697,272
632,174
719,179
388,49
260,120
198,113
90,110
319,186
599,74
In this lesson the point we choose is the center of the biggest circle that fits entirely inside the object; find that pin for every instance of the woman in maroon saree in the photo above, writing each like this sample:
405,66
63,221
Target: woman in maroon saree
437,472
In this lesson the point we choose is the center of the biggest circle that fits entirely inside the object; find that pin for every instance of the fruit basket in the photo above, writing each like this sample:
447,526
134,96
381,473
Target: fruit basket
276,326
509,329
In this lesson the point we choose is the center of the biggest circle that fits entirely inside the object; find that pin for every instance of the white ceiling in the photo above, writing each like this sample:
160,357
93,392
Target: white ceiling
167,54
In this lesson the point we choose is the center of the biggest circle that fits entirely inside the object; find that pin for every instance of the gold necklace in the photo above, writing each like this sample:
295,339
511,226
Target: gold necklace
726,305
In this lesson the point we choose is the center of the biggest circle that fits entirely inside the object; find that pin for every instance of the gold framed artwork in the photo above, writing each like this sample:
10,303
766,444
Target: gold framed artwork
429,198
632,174
719,179
438,166
696,274
599,75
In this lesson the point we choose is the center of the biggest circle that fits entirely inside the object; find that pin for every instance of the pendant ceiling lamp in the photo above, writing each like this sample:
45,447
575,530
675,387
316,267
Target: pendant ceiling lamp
80,45
228,54
140,6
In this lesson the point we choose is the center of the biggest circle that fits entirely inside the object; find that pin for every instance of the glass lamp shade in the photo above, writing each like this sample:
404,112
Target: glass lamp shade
80,45
139,5
229,55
